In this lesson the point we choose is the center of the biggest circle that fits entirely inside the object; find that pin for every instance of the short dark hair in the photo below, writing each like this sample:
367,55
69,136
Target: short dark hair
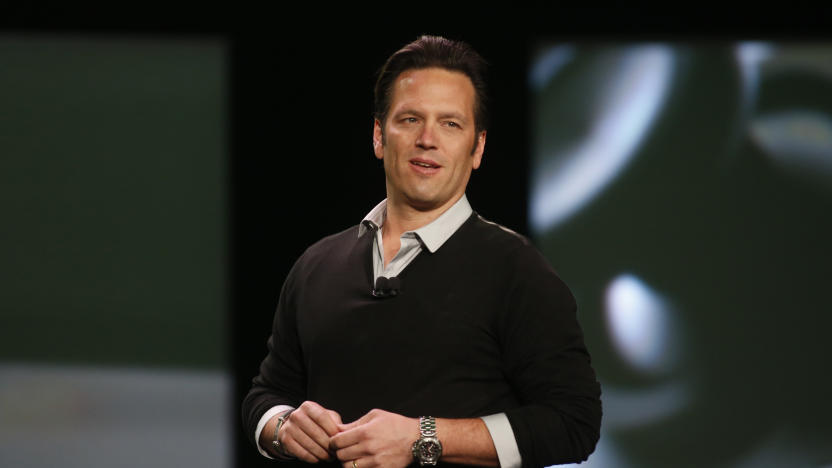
429,52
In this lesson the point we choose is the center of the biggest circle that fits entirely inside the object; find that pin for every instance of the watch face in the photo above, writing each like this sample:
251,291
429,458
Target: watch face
427,450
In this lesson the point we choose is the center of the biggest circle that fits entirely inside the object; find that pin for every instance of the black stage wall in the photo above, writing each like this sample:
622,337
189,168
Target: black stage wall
303,165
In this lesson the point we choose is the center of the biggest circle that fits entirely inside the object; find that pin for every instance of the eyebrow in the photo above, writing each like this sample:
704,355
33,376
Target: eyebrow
444,115
452,115
408,111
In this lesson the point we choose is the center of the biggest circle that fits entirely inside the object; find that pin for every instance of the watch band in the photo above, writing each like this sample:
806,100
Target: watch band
427,426
277,445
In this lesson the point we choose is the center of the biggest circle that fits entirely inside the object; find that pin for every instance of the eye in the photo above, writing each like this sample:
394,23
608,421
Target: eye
409,120
452,124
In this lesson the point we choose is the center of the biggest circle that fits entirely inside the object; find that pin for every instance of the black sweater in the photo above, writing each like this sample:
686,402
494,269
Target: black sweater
481,326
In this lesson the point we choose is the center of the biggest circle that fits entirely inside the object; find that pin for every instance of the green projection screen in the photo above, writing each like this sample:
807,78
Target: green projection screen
113,194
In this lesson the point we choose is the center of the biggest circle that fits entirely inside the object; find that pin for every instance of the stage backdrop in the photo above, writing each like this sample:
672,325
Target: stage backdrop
684,191
113,194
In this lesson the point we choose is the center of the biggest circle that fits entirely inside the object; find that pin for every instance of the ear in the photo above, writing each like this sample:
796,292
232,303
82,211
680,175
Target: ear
479,148
378,140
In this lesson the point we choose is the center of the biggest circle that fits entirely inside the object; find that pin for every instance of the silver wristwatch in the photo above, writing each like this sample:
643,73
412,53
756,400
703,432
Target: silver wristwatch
427,449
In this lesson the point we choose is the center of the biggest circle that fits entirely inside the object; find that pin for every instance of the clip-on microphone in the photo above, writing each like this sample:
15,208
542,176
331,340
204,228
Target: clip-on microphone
386,287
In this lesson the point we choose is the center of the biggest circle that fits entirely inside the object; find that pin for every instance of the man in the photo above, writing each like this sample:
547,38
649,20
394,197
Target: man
469,354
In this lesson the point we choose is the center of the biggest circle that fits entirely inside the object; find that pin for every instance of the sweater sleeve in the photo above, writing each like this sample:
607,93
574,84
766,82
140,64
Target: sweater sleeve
549,367
282,376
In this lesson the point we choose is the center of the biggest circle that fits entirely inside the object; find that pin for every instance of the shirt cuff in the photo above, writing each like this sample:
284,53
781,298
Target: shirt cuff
503,437
262,423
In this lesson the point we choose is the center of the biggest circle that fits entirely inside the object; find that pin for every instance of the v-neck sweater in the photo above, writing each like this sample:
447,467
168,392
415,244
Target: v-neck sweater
481,326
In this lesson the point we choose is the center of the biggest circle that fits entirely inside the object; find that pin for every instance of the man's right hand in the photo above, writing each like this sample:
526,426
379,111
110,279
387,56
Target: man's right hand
306,432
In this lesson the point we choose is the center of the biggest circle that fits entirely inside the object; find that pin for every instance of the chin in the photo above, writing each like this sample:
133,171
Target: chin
423,203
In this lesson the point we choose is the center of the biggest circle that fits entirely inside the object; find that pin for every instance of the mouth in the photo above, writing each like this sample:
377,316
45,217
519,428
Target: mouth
424,163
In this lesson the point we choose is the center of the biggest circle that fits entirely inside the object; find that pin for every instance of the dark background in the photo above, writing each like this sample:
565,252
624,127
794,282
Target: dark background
313,114
300,164
319,133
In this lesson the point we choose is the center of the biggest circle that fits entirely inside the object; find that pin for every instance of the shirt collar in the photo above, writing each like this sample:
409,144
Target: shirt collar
432,235
374,219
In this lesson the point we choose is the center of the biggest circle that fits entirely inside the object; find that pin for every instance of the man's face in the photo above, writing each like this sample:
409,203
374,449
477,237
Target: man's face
430,144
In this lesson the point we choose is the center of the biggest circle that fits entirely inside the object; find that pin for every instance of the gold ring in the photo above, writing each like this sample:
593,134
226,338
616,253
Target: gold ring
354,464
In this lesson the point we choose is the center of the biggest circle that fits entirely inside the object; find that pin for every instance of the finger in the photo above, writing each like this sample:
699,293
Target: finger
335,417
372,414
348,426
323,419
309,445
346,438
352,452
310,428
352,425
296,450
359,463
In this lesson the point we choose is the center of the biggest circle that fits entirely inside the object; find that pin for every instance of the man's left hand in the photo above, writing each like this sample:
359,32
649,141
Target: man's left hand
379,438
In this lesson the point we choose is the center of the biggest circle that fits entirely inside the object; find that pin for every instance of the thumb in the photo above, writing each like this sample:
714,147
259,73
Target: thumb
352,425
362,420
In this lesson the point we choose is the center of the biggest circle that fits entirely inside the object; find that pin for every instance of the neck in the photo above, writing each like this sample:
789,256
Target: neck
403,217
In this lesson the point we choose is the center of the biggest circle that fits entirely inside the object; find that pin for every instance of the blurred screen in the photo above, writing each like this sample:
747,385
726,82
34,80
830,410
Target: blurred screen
112,189
684,192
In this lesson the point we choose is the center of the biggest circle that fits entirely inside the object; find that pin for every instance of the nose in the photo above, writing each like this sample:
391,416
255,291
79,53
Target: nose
426,138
